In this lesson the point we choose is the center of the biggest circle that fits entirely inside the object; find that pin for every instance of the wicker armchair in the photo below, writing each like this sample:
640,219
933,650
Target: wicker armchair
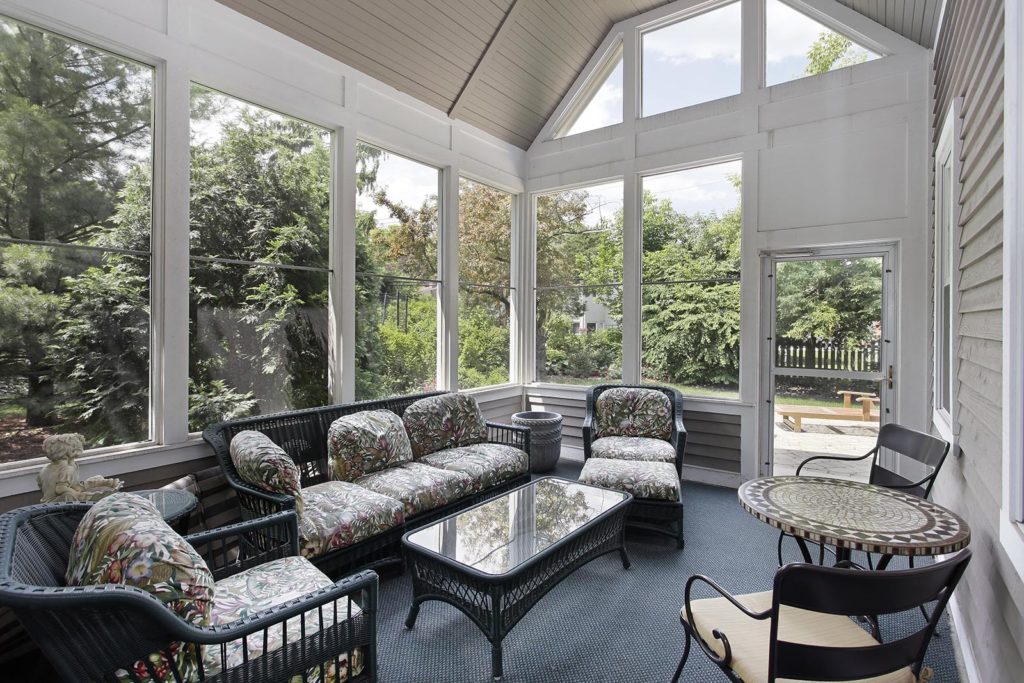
90,633
635,447
677,438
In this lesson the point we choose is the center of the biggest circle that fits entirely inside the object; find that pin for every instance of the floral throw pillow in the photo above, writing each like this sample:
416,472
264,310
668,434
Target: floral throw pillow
632,411
366,442
262,463
122,539
446,421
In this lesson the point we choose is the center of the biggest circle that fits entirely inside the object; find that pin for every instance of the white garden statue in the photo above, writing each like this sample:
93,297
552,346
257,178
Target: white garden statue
59,480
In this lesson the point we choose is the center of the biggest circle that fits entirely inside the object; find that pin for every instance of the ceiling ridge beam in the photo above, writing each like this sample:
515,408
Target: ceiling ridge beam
488,55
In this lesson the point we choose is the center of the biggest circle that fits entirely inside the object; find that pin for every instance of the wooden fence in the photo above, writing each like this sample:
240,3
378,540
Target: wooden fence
823,355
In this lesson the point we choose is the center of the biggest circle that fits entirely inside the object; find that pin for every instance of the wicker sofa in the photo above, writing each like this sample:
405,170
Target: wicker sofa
451,446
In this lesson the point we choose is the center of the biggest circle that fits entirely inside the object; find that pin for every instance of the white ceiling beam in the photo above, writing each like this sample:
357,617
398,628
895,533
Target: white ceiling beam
488,56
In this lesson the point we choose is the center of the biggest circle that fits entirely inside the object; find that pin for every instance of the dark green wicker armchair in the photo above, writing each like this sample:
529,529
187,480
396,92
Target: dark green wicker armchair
110,632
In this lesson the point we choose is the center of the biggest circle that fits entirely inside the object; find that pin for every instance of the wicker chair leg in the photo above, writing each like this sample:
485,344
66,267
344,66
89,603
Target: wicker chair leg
686,654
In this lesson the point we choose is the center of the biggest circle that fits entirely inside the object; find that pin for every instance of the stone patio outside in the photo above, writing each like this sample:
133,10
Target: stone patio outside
846,438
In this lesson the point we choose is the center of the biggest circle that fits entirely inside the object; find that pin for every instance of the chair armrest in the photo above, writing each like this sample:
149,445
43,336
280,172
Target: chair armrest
588,434
725,659
236,547
834,457
510,435
678,441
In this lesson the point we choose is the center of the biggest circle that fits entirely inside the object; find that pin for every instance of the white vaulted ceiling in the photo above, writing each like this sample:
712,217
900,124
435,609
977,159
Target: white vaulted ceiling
501,65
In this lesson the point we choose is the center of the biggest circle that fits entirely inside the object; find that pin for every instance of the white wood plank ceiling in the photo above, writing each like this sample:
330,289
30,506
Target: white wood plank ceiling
501,65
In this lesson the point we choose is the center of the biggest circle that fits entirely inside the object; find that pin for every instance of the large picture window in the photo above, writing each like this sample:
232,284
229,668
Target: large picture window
690,287
75,224
397,280
259,272
579,285
485,284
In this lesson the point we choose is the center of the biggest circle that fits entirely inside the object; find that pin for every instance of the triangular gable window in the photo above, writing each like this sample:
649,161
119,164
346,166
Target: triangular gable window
602,102
798,46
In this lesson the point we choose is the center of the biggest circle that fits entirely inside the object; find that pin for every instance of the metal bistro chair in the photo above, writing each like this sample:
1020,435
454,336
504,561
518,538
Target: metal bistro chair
922,448
802,629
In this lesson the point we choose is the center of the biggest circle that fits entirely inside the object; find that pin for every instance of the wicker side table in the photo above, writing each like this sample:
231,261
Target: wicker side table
545,438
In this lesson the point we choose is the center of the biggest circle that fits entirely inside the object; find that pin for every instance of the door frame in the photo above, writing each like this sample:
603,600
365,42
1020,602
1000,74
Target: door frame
889,398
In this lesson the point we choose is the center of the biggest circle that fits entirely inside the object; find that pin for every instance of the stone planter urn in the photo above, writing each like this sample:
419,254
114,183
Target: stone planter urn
545,438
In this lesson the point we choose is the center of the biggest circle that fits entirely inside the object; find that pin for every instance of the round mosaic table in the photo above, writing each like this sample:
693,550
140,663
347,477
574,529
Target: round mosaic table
855,516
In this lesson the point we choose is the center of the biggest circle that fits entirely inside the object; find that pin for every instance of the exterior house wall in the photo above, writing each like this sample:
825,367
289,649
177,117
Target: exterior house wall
968,64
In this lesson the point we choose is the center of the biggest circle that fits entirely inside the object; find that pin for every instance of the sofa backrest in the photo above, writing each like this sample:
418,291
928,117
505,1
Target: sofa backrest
445,421
633,411
301,433
366,442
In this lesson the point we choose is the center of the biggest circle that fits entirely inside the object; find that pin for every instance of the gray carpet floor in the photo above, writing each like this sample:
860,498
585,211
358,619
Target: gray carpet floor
604,623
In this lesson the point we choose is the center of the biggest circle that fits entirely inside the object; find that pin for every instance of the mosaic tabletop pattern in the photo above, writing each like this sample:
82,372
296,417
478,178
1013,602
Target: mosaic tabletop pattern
854,515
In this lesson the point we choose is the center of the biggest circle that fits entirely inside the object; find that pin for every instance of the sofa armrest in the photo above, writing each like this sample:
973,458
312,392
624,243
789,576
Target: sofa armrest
678,440
510,435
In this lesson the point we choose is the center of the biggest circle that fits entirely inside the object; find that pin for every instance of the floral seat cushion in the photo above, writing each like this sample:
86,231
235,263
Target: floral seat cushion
262,463
266,586
446,421
338,514
420,487
633,411
122,539
366,442
633,448
647,480
487,463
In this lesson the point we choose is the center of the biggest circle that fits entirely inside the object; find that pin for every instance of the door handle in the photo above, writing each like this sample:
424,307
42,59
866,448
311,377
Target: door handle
889,378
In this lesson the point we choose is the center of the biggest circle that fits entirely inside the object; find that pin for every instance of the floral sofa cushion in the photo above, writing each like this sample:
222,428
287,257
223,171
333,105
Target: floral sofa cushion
633,448
122,539
487,463
632,411
366,442
262,463
268,585
648,480
420,487
446,421
339,514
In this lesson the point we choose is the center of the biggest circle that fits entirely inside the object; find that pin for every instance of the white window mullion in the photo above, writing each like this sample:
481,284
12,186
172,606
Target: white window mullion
632,216
448,309
170,266
343,264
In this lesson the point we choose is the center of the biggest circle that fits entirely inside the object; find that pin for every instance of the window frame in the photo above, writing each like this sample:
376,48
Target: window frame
704,163
531,377
156,399
513,290
825,21
672,20
585,95
946,253
446,208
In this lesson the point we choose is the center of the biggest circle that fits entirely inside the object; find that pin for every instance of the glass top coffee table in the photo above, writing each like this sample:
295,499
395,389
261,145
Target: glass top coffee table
495,560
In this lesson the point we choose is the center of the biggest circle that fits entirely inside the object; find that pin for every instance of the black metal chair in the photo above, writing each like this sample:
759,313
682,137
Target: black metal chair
926,450
91,633
802,629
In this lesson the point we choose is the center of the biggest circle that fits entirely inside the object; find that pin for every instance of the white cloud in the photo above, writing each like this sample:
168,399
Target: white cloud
407,182
715,35
604,108
702,189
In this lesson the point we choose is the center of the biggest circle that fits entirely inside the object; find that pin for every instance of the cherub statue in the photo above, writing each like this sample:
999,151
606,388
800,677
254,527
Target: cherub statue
59,481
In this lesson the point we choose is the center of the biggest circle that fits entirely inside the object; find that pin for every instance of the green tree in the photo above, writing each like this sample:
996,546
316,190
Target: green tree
832,51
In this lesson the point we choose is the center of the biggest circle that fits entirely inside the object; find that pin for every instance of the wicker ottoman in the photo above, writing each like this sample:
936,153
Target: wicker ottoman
657,497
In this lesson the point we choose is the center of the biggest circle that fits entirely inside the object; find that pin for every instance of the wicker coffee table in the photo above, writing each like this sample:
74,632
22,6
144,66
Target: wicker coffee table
495,560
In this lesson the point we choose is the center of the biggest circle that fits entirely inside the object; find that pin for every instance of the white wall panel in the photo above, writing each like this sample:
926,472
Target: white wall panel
842,179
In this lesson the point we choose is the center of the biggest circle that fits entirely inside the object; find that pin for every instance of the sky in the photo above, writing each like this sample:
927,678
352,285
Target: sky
698,60
405,180
697,190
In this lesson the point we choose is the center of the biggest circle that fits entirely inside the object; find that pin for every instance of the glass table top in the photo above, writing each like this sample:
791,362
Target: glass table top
505,532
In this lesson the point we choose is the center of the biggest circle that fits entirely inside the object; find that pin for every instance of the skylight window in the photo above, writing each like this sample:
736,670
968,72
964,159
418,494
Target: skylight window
798,46
604,106
692,61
